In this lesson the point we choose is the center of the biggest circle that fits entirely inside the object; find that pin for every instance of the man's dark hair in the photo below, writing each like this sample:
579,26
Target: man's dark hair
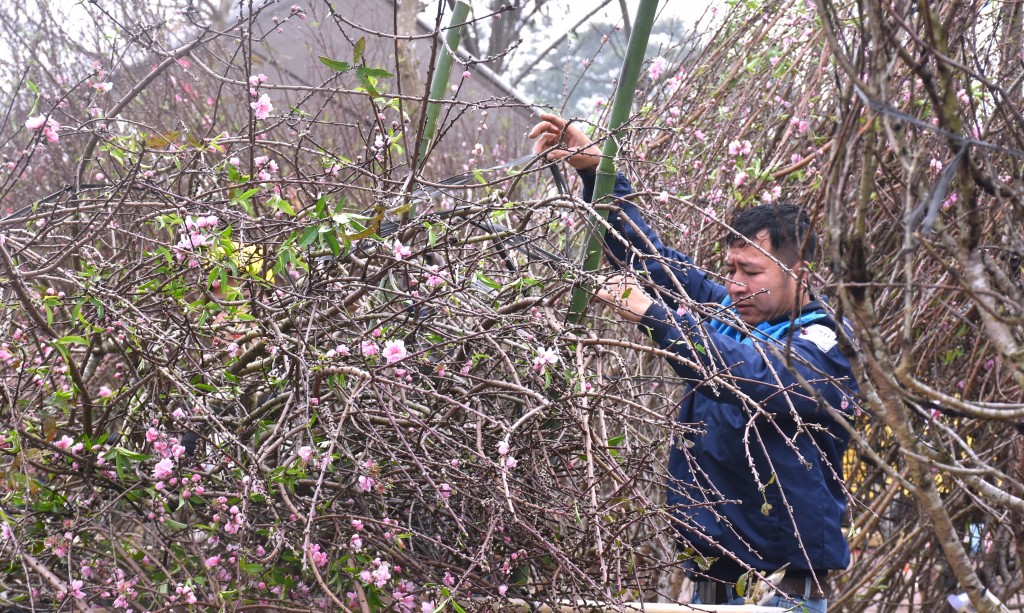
789,231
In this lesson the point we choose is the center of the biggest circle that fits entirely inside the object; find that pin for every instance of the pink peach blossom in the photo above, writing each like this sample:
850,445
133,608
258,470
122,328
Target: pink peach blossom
262,107
394,351
35,123
163,469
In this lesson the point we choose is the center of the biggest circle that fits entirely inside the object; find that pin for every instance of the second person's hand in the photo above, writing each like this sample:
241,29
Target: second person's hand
568,140
625,295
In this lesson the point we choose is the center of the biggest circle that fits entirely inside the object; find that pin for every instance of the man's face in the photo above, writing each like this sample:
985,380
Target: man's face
760,289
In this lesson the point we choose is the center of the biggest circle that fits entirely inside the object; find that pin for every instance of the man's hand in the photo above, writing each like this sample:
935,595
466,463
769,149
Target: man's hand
572,144
626,296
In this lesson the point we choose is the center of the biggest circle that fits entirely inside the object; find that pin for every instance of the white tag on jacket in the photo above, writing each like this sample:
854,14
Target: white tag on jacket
822,336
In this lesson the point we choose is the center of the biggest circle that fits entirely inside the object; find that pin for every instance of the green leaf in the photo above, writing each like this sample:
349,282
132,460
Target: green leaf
159,141
376,73
332,242
741,585
350,220
121,464
309,236
284,205
244,197
368,85
129,454
173,524
335,64
367,77
68,340
489,282
357,51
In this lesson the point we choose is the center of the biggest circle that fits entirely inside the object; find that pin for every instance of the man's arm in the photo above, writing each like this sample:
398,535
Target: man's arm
755,370
631,240
758,371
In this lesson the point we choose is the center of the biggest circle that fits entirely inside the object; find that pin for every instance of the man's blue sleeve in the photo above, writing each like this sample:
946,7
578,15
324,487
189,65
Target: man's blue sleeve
758,372
632,242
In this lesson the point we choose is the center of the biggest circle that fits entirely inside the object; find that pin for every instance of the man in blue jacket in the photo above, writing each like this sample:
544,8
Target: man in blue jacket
758,488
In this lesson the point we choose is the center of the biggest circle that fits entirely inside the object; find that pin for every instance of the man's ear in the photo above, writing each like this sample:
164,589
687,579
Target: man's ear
804,275
805,271
801,271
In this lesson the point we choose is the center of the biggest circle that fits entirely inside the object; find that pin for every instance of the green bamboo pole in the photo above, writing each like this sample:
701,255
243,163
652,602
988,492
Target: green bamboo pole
621,109
442,73
438,88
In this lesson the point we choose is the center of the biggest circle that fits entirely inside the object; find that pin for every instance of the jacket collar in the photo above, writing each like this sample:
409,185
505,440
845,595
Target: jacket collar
728,324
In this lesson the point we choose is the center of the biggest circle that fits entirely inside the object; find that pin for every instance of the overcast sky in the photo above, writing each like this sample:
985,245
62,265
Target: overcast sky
687,10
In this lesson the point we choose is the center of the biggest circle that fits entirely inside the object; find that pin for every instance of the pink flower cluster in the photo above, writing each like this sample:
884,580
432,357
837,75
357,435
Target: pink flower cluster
340,350
318,557
740,148
772,195
69,444
401,251
170,450
369,348
432,278
367,481
262,107
403,596
657,67
195,236
198,223
380,574
48,125
545,357
163,469
265,166
504,459
186,593
395,351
